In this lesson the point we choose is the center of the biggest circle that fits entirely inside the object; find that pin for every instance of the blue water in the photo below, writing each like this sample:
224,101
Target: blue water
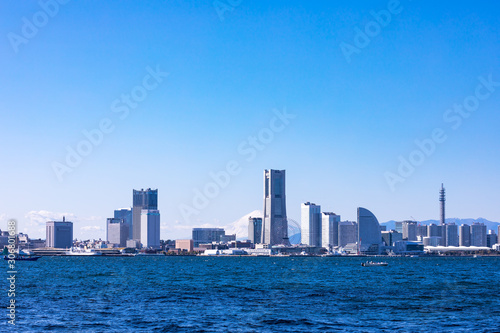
246,294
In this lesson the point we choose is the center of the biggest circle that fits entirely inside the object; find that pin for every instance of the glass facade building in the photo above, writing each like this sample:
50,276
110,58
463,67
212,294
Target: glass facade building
142,199
369,236
275,224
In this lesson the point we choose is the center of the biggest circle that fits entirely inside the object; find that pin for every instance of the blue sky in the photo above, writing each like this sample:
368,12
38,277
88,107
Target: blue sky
226,80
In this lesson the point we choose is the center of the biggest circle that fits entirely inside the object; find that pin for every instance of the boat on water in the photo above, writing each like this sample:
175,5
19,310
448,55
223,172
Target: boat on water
19,256
374,263
82,252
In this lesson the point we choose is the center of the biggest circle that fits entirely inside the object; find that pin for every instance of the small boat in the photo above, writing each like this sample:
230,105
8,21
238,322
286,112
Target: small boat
373,263
19,256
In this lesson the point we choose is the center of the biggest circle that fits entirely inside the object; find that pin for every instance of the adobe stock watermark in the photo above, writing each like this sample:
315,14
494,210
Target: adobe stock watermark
31,27
11,271
454,117
248,149
371,29
95,137
223,6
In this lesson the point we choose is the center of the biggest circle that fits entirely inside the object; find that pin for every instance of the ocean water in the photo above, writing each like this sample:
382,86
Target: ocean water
247,294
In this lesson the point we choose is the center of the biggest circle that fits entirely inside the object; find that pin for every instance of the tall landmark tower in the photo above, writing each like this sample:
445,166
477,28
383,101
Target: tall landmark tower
442,200
142,199
275,224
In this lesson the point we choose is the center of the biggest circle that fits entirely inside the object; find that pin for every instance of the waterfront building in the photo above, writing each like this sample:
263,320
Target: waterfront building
142,199
369,236
59,234
390,237
329,230
184,245
421,230
410,230
451,230
275,224
498,233
348,233
431,241
478,234
117,231
150,228
126,215
255,229
491,238
433,230
464,235
310,224
206,235
227,238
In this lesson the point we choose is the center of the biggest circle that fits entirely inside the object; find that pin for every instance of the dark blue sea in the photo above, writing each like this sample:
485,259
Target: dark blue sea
247,294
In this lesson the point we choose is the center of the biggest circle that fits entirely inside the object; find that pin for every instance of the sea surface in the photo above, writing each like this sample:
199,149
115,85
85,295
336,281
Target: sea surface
248,294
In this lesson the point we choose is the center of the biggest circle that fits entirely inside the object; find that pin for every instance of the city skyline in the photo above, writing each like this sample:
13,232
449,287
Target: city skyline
233,97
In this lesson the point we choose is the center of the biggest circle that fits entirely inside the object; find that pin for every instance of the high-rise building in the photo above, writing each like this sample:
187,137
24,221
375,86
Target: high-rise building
329,230
433,230
275,224
369,235
398,226
390,237
310,223
478,234
142,199
117,231
498,233
255,229
451,234
126,215
491,238
410,230
348,233
150,228
421,230
59,234
207,235
464,235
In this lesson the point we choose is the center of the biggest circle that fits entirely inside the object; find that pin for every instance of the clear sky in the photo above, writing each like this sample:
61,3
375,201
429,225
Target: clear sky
359,89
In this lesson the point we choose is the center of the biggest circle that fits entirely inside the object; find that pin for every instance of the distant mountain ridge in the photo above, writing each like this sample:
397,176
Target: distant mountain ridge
489,224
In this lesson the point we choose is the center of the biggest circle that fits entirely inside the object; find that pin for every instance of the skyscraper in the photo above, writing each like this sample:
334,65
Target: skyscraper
310,223
143,199
275,225
255,229
59,234
410,230
329,230
117,231
478,234
464,235
126,215
451,234
150,228
369,236
348,233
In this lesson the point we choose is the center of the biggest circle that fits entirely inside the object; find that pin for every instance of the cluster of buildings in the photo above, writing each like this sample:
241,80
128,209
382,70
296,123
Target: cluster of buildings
321,232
